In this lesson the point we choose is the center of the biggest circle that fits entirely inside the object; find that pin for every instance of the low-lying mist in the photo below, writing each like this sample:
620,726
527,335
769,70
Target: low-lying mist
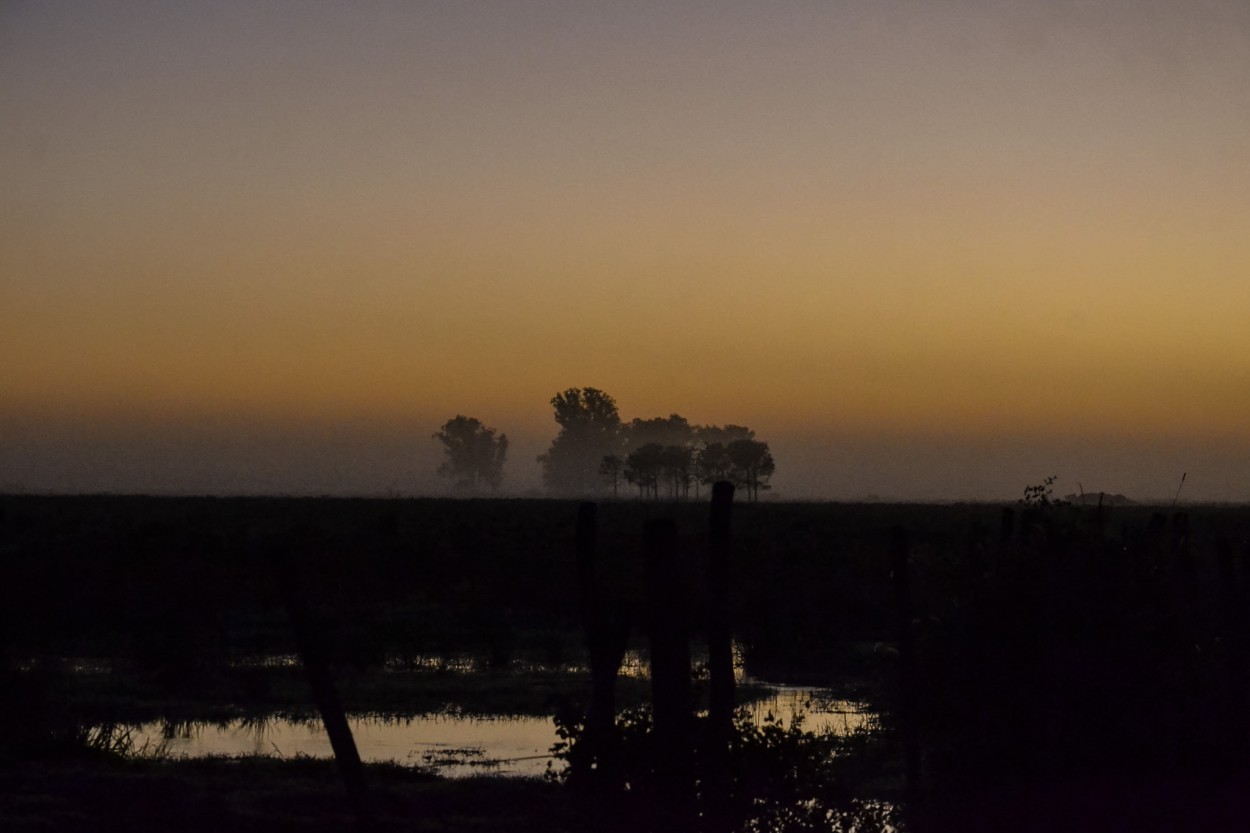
379,459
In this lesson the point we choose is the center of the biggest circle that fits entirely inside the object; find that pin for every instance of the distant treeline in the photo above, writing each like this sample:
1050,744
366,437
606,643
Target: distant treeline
595,451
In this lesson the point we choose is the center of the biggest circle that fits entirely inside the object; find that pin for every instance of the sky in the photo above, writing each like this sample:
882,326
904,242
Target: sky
927,250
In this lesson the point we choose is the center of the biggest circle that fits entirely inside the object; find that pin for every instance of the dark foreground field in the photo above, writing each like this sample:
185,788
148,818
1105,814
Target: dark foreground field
264,795
1044,668
260,796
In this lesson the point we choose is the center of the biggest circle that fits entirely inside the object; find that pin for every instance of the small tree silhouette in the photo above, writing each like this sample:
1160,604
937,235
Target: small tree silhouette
474,454
610,469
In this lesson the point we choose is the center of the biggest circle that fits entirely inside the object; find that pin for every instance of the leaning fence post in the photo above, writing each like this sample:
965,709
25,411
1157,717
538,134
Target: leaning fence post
310,643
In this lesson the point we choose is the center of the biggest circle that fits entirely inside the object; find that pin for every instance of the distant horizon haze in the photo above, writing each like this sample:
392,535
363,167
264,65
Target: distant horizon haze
381,457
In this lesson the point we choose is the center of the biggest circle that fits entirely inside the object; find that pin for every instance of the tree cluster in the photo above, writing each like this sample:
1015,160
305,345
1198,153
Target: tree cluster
595,449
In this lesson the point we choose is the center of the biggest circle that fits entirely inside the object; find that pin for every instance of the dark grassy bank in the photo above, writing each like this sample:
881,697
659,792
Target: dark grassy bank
127,609
259,794
182,588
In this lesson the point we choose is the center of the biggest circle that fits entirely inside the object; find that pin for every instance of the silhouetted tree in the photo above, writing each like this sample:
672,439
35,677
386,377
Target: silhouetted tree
590,429
474,454
643,467
708,467
752,465
676,436
676,462
610,469
714,463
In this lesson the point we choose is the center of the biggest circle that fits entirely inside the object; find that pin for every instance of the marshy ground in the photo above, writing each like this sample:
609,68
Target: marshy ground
1047,667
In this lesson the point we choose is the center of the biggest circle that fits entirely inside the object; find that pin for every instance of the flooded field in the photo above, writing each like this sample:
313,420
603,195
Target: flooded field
456,745
980,645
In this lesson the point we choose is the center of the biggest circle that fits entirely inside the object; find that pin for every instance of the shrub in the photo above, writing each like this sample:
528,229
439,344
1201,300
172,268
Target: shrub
780,777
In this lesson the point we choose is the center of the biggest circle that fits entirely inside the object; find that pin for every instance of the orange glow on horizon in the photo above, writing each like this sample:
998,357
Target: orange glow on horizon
847,222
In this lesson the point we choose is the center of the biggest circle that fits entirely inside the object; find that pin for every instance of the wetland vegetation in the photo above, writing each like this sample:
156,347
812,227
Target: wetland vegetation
1039,666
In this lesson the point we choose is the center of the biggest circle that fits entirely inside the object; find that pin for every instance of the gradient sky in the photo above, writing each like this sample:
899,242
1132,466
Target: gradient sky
927,250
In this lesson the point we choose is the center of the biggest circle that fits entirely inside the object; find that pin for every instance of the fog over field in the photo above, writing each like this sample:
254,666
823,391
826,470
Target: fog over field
375,459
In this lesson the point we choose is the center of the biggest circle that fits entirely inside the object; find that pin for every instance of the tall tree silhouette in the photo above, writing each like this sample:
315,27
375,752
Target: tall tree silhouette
677,462
590,429
752,465
475,455
610,469
714,464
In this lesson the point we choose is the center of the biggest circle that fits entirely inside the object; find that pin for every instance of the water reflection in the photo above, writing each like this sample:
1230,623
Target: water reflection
820,710
457,745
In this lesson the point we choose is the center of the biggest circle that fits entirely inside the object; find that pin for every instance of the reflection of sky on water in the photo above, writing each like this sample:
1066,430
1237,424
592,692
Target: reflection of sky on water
820,711
520,744
405,741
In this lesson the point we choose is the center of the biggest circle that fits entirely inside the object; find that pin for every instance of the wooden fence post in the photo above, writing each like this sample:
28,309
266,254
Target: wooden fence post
720,638
1183,563
668,600
1006,532
1233,641
720,664
978,560
901,573
607,635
